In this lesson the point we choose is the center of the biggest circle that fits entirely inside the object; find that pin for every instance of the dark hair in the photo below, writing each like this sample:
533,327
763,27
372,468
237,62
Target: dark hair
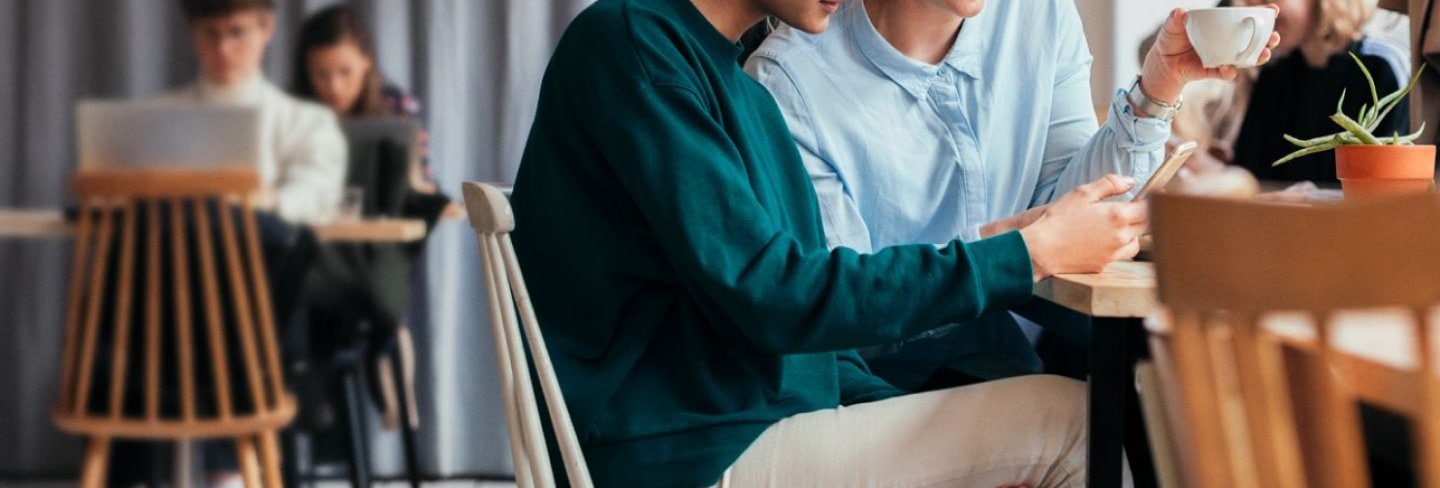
204,9
750,40
328,28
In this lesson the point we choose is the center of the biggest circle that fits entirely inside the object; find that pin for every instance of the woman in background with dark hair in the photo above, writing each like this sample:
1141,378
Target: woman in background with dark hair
335,65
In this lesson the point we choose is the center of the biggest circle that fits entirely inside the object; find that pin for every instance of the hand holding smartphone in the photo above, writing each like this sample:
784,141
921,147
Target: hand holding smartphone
1167,170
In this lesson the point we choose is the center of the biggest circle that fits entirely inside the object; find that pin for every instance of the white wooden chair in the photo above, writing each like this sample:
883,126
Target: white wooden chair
493,221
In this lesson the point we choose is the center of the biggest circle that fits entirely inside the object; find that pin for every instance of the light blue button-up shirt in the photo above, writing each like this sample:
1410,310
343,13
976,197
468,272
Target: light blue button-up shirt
904,152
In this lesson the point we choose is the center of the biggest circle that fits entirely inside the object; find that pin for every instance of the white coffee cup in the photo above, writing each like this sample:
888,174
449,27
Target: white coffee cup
1230,36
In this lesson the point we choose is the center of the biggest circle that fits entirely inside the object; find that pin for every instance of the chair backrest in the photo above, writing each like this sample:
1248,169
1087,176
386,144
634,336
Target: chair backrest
382,152
492,220
1253,413
164,221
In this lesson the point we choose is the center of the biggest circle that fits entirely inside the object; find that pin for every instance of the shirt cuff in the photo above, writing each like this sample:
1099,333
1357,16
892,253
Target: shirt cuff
1136,133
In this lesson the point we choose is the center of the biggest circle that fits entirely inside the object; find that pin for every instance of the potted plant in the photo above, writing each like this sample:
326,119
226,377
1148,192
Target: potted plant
1369,164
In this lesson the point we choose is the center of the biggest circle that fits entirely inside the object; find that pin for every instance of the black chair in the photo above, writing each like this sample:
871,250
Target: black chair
356,297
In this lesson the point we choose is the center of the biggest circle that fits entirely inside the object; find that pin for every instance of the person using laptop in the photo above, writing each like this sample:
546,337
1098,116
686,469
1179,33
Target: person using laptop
303,152
302,164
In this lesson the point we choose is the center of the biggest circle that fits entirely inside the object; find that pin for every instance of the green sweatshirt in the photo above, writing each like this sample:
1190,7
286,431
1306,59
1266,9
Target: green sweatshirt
674,252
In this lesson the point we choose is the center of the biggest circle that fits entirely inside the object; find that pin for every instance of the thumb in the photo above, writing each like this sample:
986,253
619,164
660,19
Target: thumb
1105,187
1175,22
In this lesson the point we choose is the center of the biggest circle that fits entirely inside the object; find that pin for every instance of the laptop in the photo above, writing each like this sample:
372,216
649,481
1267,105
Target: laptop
114,134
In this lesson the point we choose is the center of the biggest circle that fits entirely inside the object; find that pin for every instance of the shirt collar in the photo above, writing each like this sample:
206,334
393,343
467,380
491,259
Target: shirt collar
914,76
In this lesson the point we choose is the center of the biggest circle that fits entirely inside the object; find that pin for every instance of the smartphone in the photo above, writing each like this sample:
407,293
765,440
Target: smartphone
1167,170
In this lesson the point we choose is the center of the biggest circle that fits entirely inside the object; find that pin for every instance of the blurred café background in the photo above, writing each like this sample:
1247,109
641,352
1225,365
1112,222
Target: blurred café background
473,65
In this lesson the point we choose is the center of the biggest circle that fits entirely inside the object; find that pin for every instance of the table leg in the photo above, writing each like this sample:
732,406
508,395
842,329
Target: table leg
1114,405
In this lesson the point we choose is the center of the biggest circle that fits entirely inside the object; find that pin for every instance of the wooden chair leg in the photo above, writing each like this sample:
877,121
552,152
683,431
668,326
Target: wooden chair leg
249,464
184,464
96,457
270,459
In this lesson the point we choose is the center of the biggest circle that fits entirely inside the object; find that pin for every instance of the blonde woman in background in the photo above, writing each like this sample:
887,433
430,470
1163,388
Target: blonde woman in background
1242,122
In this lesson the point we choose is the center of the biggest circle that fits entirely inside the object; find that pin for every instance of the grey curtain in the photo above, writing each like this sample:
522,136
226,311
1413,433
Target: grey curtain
476,64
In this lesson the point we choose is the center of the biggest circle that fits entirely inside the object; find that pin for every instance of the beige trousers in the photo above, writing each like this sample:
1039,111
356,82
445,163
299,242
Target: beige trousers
1020,431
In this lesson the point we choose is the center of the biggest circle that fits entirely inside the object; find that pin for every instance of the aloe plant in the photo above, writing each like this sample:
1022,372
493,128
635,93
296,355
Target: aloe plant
1361,129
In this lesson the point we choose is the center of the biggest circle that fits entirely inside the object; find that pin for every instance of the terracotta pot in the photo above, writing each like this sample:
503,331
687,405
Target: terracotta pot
1377,171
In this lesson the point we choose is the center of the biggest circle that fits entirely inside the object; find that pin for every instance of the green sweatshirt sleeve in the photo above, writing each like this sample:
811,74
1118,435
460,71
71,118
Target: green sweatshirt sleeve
707,210
857,383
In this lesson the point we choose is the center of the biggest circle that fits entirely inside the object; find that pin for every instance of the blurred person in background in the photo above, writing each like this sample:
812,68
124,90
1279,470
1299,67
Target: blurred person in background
303,152
360,292
1243,122
335,65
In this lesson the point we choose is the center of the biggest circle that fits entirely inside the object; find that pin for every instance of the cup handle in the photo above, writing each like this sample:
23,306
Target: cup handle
1256,43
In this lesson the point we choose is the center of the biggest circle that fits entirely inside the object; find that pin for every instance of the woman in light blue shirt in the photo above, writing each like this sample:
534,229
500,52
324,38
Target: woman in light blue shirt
924,120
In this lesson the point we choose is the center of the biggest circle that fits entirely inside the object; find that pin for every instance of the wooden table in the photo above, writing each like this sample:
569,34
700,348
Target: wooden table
1116,303
51,224
33,223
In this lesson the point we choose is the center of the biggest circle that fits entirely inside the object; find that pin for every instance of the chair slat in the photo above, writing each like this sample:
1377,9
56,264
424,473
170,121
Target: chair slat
79,264
239,288
263,309
92,311
534,437
1330,437
120,353
1427,420
209,285
1277,453
1203,427
518,454
1229,403
575,467
184,320
152,312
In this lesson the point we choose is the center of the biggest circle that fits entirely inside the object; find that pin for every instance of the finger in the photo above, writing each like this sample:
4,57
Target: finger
1264,56
1274,40
1105,187
1129,250
1140,229
1274,7
1175,22
1132,213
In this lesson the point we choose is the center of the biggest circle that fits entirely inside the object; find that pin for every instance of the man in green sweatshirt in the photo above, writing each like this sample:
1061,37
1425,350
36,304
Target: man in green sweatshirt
698,324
